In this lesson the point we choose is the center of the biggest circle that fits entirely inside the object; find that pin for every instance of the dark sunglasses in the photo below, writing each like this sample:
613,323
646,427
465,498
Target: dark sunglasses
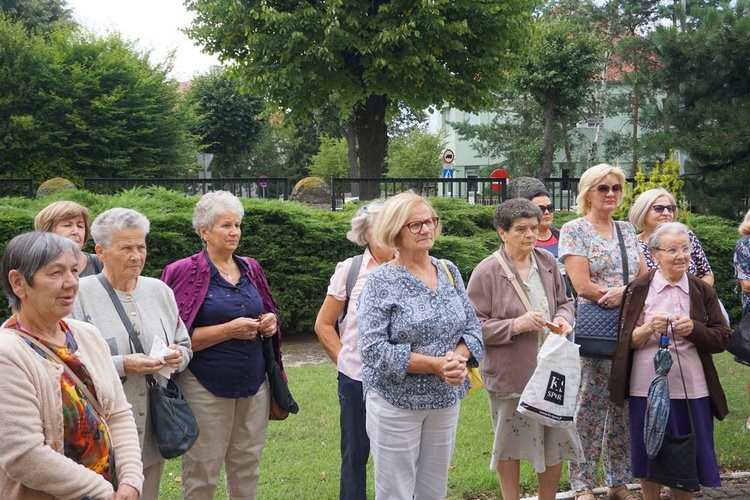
661,208
548,208
604,189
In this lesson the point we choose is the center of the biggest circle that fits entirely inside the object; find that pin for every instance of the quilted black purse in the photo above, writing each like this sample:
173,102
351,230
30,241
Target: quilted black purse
596,326
675,465
739,344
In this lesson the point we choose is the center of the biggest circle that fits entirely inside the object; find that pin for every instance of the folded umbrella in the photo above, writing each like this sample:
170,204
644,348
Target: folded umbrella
277,380
657,403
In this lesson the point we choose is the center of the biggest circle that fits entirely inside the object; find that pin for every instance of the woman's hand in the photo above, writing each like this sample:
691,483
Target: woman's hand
682,327
531,321
268,324
242,328
125,492
452,368
174,360
611,297
140,364
563,323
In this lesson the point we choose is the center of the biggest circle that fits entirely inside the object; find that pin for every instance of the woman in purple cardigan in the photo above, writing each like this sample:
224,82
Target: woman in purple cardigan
227,307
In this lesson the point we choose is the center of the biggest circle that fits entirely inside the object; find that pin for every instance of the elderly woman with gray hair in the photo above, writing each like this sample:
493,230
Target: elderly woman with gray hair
338,313
120,238
227,307
512,337
670,300
66,429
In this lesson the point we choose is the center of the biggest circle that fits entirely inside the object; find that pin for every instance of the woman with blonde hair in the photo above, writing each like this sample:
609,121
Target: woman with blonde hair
658,206
70,220
338,312
591,248
742,274
417,334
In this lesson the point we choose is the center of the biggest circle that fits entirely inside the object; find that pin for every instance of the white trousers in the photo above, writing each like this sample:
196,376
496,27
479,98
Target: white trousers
232,432
411,449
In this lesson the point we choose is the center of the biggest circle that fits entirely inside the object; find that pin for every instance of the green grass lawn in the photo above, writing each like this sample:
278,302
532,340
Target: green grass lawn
301,458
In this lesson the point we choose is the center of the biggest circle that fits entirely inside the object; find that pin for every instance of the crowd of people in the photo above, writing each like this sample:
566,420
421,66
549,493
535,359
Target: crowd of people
89,334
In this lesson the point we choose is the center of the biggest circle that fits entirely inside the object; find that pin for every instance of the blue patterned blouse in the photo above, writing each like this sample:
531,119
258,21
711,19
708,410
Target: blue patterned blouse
742,266
399,315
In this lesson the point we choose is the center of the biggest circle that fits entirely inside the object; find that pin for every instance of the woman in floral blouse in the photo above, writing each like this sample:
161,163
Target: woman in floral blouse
417,334
742,273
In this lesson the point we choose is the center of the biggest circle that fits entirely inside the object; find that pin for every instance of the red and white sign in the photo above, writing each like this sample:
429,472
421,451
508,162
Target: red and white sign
498,173
448,156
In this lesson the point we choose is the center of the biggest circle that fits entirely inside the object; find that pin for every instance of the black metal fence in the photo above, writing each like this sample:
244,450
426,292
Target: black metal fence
253,187
22,188
481,191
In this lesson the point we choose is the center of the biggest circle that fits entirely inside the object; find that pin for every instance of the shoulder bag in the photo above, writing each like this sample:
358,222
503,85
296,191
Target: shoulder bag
172,419
596,326
675,464
739,343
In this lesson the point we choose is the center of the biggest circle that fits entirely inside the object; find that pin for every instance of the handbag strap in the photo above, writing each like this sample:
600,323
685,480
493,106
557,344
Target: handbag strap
513,281
624,255
682,376
125,321
49,352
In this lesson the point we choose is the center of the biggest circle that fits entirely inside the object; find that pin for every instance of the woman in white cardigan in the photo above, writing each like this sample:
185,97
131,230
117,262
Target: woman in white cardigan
58,442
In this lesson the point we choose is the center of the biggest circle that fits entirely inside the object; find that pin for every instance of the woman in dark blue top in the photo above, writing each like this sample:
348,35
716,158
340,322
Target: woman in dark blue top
226,305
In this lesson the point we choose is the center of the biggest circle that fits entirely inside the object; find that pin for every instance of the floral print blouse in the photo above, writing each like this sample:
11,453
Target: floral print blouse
578,237
742,266
698,266
398,315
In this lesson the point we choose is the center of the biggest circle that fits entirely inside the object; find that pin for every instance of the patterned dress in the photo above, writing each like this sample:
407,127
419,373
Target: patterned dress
602,425
742,266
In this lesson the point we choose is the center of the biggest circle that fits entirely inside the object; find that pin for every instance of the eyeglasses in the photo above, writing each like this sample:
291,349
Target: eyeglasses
604,189
416,226
661,208
674,251
547,208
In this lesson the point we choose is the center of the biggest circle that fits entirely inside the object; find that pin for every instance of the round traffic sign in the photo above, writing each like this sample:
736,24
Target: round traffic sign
498,173
263,181
448,156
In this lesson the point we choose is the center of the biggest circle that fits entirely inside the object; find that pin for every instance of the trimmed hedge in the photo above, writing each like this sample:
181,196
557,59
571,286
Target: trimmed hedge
299,246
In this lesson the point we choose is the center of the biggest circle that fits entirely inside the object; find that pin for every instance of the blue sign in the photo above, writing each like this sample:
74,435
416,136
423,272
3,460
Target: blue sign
448,173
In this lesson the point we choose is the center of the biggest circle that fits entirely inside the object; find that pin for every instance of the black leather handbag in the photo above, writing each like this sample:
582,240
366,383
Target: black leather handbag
596,326
675,465
172,419
739,343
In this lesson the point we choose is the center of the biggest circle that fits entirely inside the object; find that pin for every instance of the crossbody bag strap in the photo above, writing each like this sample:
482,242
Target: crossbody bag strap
513,281
125,321
85,390
448,272
624,254
682,376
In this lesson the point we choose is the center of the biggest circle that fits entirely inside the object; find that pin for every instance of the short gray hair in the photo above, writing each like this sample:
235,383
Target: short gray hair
27,253
517,208
642,204
654,240
117,219
363,221
212,205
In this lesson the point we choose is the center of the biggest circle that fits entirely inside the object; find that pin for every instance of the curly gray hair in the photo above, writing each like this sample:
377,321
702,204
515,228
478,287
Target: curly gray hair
212,205
117,219
363,221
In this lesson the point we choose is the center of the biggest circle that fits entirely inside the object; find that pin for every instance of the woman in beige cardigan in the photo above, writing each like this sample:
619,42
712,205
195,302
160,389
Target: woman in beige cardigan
512,336
61,426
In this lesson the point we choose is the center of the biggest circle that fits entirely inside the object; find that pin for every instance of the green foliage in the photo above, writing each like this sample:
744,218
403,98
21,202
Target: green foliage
40,16
331,159
417,154
366,56
227,121
77,106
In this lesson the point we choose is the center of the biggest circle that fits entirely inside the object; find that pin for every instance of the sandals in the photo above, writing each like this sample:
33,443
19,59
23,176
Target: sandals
585,495
621,493
666,493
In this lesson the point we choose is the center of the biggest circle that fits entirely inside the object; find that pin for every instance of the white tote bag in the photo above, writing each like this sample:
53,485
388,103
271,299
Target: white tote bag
550,395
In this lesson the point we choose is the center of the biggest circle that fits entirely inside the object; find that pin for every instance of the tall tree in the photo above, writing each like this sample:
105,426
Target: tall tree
38,15
227,121
366,55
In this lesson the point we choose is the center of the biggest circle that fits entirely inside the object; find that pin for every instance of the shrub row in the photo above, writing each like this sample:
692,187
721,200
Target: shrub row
299,246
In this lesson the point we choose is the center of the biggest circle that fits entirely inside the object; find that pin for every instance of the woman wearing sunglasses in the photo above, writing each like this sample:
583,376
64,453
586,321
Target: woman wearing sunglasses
417,334
657,206
591,250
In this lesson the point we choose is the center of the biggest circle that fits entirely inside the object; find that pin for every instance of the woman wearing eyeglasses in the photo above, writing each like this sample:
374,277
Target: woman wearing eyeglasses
417,334
591,251
657,206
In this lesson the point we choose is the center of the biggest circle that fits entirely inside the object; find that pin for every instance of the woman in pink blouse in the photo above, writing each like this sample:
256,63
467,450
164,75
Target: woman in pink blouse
652,301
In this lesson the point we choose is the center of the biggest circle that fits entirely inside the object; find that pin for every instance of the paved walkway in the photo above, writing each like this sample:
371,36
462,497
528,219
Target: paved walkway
736,487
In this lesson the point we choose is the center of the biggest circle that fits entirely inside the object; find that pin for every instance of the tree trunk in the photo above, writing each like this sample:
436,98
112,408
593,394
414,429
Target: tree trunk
566,139
549,139
600,116
351,142
372,137
636,109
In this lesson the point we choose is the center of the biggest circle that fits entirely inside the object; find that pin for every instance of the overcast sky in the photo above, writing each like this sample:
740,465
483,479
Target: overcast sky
154,23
